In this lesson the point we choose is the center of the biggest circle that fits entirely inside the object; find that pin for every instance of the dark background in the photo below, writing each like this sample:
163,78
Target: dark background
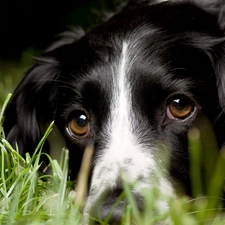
27,27
34,23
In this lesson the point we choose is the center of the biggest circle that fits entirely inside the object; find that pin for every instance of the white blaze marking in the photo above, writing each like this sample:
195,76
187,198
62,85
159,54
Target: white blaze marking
123,152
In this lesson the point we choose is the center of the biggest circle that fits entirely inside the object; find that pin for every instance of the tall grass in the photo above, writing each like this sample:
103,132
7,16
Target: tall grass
30,197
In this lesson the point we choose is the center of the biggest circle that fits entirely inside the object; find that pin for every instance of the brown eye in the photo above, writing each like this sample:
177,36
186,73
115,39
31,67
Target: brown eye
179,107
79,125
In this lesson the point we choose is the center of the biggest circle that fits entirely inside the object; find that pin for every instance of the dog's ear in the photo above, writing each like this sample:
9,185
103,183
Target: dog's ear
222,16
32,104
219,57
66,38
214,46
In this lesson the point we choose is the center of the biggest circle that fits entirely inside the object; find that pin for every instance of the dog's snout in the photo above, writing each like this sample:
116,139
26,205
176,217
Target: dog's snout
114,206
112,214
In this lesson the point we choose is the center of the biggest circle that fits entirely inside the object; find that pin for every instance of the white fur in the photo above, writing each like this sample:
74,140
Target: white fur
123,153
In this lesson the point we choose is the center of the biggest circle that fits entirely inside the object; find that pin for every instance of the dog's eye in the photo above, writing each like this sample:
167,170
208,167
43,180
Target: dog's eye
79,125
179,107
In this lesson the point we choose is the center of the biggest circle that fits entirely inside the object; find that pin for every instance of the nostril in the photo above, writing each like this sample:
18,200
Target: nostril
113,196
114,205
112,214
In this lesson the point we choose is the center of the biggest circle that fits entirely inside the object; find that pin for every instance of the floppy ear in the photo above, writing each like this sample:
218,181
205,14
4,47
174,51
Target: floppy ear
219,67
214,46
32,104
219,62
222,17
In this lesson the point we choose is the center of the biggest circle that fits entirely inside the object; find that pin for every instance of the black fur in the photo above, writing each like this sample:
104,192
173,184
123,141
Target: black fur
180,50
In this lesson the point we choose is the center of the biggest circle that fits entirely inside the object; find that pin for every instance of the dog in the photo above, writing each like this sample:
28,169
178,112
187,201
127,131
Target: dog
132,87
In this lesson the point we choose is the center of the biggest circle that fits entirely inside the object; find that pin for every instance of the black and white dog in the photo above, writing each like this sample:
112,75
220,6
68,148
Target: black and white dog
137,82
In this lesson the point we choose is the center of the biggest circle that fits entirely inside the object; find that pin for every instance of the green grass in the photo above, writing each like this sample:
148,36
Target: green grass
29,197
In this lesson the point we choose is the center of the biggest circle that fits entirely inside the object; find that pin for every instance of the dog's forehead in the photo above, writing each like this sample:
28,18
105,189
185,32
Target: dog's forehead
154,58
151,57
152,64
156,36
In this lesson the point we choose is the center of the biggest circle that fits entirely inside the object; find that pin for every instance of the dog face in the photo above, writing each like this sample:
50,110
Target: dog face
133,88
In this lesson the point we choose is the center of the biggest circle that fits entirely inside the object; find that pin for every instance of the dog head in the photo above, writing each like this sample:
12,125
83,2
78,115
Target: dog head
133,87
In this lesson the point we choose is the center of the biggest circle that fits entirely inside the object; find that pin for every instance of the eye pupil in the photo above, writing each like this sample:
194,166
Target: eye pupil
78,125
82,121
179,103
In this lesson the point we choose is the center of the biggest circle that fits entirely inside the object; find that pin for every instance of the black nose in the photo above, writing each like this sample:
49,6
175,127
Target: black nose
112,214
114,205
